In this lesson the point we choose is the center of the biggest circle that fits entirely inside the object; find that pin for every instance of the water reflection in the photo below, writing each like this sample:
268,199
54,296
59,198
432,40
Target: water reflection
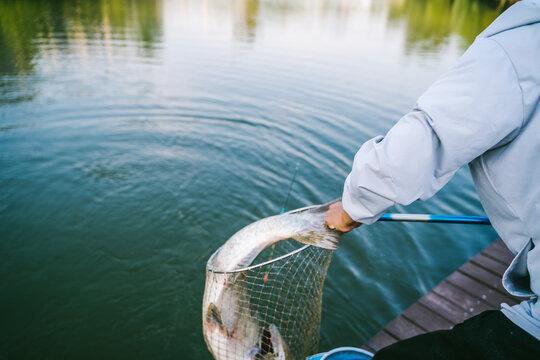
33,30
430,24
72,21
245,19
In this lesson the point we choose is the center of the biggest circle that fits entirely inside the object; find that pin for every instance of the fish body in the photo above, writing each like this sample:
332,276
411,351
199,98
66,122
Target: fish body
230,331
307,226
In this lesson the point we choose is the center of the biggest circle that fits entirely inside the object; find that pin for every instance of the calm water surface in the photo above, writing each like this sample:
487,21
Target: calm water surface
137,136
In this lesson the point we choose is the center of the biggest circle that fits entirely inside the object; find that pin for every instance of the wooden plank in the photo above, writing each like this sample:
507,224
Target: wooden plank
466,301
489,264
444,308
426,318
402,328
482,275
501,255
477,289
368,348
380,340
501,245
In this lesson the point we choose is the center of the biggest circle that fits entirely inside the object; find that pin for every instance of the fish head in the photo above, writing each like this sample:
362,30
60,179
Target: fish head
246,340
229,337
228,328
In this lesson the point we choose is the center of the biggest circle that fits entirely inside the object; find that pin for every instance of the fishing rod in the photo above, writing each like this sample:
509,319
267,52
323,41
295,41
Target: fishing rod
289,191
429,218
446,219
265,277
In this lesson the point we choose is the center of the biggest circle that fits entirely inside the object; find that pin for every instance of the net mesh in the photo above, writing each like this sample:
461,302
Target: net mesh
284,294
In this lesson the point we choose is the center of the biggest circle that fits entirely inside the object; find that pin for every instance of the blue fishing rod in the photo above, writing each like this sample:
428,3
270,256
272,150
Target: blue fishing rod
429,218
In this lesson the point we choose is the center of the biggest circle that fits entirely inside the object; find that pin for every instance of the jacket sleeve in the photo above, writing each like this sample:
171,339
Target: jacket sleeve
475,107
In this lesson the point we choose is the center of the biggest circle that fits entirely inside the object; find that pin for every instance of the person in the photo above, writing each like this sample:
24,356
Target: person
484,112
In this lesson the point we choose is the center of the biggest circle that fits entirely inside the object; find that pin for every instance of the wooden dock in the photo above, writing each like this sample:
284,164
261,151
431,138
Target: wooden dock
475,287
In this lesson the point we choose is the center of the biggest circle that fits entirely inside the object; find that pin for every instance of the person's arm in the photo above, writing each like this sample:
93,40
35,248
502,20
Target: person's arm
475,107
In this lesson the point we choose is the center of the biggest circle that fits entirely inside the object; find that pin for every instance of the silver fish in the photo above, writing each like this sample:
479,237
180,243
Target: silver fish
229,331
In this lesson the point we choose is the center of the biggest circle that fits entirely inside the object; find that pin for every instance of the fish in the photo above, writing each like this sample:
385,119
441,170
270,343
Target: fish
230,331
305,225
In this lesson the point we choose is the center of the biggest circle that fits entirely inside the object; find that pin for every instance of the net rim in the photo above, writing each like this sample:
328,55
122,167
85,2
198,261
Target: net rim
251,267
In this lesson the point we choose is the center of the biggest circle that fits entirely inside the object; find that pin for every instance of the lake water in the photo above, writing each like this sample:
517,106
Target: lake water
137,136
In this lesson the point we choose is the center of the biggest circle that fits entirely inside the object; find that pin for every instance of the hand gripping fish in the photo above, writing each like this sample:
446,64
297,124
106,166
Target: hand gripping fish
229,330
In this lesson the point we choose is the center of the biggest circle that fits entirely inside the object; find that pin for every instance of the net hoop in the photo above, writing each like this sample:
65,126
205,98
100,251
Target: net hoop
251,267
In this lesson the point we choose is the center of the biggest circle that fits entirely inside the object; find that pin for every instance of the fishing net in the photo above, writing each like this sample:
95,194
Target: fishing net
281,290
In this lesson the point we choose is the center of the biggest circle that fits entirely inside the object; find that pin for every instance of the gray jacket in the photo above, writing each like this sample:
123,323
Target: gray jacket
484,112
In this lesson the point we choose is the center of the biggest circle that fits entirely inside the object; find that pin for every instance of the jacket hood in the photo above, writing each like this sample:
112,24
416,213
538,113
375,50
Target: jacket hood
522,13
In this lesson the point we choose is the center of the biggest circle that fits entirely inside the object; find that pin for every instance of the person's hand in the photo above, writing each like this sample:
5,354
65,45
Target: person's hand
337,218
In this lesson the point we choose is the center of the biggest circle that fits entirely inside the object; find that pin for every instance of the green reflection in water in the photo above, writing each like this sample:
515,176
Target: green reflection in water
427,22
247,13
70,21
30,28
430,24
